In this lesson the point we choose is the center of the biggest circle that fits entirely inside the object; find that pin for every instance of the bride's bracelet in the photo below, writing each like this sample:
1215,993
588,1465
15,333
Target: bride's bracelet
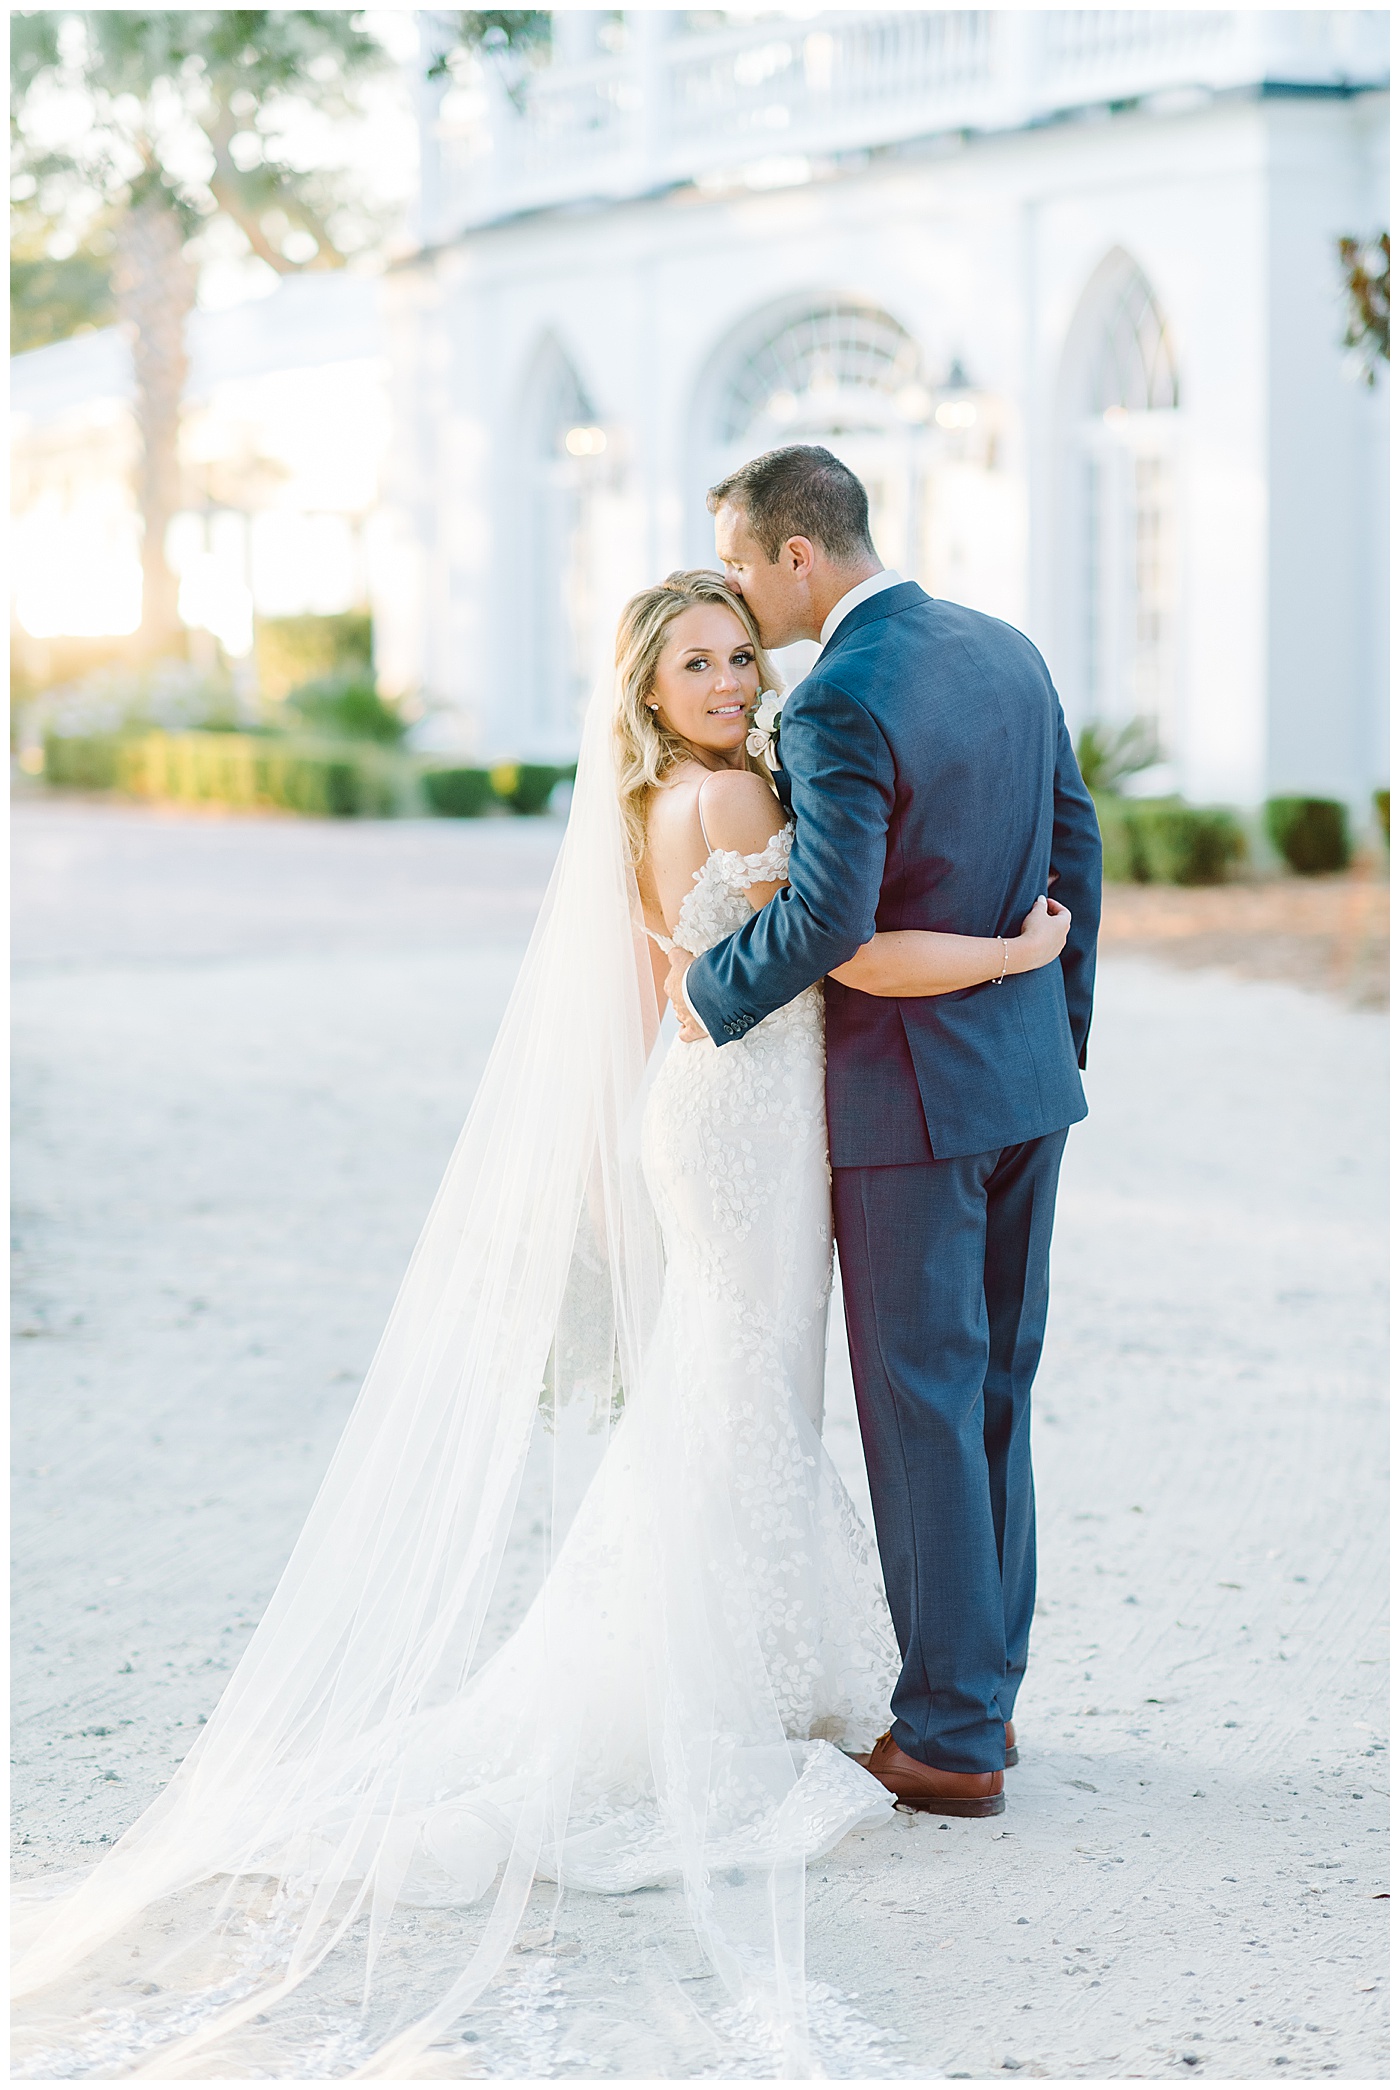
1005,961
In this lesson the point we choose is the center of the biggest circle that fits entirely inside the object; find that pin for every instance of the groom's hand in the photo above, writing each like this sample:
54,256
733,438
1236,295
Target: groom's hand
691,1031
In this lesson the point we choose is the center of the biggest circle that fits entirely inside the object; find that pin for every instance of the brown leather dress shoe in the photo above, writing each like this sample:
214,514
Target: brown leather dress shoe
931,1791
1013,1754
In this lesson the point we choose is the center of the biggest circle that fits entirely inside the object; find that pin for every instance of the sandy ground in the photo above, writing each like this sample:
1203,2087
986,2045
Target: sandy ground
1330,934
243,1052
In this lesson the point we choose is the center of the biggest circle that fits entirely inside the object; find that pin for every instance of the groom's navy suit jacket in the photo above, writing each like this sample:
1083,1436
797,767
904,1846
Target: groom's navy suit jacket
933,786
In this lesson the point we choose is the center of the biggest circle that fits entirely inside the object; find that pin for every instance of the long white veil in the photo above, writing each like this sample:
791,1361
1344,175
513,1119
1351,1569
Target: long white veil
343,1878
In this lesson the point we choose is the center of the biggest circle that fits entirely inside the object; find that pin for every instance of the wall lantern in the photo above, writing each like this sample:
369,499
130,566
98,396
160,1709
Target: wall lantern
585,442
957,401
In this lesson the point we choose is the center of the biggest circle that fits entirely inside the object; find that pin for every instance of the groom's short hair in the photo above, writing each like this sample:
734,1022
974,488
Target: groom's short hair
802,491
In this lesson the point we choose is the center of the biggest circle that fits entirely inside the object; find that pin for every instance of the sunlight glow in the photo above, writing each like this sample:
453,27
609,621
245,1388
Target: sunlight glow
212,598
77,572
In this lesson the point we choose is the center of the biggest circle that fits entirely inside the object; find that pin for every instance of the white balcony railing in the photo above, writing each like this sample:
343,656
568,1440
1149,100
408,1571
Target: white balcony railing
762,98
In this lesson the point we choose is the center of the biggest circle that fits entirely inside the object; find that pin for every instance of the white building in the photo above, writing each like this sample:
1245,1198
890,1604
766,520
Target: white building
1062,287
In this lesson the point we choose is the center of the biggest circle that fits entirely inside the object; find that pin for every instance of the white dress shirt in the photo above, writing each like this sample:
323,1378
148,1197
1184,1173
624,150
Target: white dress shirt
853,597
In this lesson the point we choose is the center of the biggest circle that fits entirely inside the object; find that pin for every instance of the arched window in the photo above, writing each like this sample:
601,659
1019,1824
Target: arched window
1131,367
564,445
842,373
1121,397
835,367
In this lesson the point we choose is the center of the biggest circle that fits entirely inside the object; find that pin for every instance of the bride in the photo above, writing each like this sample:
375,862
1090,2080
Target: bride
606,1362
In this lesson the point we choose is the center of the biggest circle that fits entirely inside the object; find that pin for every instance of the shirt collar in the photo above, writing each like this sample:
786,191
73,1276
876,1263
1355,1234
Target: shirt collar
853,597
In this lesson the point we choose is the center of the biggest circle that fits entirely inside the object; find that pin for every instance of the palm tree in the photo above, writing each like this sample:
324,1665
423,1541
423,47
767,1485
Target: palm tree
174,119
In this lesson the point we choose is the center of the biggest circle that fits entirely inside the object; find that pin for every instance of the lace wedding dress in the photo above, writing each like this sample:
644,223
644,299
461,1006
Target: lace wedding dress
619,1301
714,1509
736,1158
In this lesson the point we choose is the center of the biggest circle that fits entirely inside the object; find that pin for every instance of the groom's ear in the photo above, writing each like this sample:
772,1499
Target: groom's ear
799,556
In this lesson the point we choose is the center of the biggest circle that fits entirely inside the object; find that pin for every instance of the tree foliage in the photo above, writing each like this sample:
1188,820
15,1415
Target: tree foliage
507,39
55,296
200,113
131,132
494,31
1366,270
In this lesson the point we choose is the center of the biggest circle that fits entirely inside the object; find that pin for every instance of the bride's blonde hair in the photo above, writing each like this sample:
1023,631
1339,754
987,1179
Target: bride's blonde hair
647,750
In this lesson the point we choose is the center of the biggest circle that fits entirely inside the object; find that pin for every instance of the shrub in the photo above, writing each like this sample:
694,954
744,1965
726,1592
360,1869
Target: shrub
526,786
1381,801
239,769
1180,844
1310,834
1122,858
292,651
465,794
343,783
1108,754
462,794
191,768
82,762
347,707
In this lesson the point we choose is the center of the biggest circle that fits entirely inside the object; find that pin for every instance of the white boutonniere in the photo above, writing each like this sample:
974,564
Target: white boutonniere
767,719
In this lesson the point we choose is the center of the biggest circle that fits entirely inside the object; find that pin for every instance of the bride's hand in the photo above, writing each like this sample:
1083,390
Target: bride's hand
1043,936
691,1031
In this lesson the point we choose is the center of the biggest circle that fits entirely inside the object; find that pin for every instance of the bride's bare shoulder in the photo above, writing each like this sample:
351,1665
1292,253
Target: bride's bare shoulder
741,811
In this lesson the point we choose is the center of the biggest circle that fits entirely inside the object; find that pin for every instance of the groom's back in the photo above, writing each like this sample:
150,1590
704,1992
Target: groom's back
970,715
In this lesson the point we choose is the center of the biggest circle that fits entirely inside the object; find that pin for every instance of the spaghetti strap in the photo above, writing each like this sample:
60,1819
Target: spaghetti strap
700,809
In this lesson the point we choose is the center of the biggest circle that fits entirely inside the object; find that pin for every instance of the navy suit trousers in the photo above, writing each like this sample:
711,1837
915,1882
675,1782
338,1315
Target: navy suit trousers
945,1266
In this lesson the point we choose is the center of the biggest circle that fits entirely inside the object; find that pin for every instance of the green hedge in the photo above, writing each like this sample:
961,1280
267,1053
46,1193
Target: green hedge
462,794
251,770
291,651
1381,801
465,794
1310,834
337,778
346,707
86,762
1187,845
1164,841
526,786
234,769
1122,862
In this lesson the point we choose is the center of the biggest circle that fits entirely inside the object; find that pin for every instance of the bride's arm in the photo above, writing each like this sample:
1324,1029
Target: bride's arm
914,962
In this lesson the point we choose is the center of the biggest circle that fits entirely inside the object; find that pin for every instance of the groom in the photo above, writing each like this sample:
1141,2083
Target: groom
934,787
